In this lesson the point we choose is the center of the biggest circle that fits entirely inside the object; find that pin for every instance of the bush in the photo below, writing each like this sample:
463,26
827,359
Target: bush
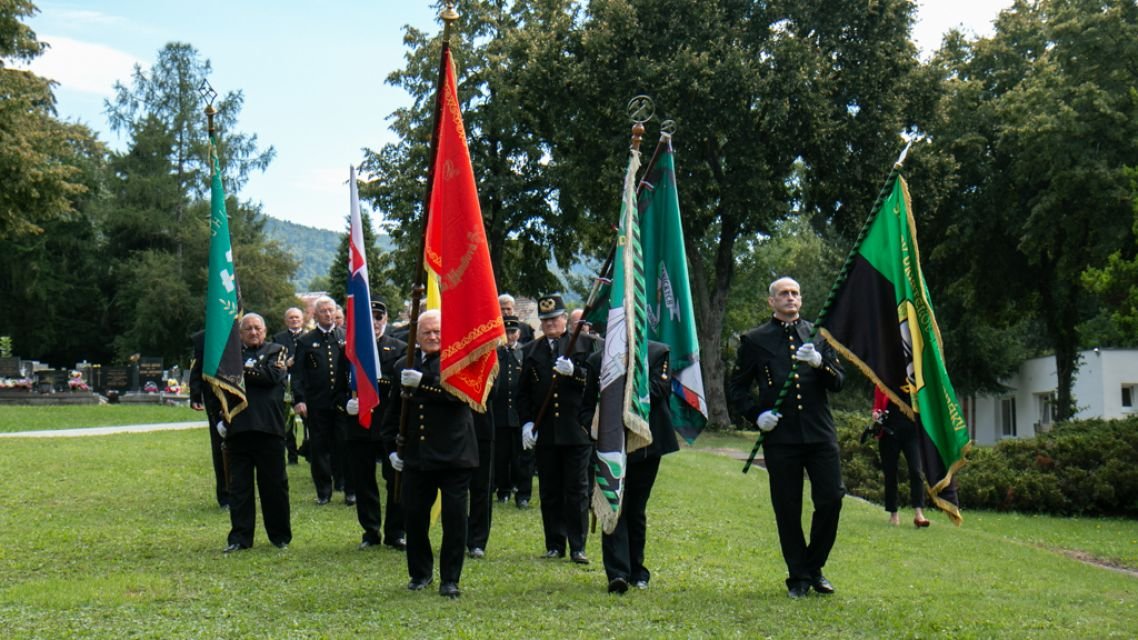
1087,468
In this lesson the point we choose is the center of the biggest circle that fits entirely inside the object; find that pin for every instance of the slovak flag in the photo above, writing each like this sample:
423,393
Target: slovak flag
360,348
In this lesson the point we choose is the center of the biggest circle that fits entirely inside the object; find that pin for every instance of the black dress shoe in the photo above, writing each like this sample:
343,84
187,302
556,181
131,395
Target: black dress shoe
579,557
822,585
553,554
322,501
234,547
798,591
476,553
618,585
367,544
419,585
523,504
281,545
641,584
399,544
449,590
350,499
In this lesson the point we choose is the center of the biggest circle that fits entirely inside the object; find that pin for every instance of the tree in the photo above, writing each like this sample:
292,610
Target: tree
1040,122
523,229
38,153
767,97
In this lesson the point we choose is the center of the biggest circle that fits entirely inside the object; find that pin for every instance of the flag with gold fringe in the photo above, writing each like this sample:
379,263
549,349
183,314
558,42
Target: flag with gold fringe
881,319
222,368
623,406
456,251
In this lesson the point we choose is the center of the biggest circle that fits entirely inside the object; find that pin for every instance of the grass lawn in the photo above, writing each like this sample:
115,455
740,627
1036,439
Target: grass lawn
25,418
119,537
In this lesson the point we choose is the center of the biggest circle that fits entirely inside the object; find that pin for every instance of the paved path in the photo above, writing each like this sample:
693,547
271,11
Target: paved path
102,431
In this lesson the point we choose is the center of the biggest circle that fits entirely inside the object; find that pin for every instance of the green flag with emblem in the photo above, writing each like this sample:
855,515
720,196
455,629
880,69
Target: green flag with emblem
222,368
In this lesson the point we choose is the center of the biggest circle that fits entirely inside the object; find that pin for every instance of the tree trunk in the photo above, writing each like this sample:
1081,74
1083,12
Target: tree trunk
709,296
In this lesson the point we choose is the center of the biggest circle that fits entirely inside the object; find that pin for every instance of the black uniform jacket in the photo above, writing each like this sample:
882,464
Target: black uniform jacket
766,358
289,340
316,367
504,395
265,374
561,424
440,426
659,391
392,353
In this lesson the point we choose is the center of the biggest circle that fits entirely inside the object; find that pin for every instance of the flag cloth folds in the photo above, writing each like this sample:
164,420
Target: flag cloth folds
882,320
456,251
671,316
222,368
622,414
360,346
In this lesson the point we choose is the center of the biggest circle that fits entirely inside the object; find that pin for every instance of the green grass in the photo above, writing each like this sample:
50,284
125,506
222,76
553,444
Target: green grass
24,418
118,537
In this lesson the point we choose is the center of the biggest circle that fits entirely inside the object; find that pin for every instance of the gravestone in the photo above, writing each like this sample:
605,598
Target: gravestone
115,379
150,370
10,368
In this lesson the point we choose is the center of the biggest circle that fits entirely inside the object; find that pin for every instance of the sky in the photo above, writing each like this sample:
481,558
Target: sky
313,75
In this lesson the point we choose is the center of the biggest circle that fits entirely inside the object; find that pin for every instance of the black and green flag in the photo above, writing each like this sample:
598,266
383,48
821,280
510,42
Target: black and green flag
881,319
222,368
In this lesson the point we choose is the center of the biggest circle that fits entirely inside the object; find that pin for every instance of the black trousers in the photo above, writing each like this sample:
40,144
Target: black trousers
361,462
420,487
623,549
393,517
563,474
258,457
481,504
221,490
904,439
322,428
507,444
786,463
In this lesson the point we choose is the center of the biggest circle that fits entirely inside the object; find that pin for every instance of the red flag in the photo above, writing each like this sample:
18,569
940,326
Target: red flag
456,250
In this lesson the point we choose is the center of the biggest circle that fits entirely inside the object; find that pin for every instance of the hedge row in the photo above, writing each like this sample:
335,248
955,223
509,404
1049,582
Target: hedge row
1087,468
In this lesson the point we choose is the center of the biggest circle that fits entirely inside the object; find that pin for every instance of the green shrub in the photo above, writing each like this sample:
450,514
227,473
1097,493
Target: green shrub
1085,468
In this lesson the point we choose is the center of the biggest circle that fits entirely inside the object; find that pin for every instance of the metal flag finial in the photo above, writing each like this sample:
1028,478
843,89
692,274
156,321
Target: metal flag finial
641,109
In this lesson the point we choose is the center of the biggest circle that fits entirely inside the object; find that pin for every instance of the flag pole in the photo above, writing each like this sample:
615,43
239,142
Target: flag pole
843,273
606,268
449,16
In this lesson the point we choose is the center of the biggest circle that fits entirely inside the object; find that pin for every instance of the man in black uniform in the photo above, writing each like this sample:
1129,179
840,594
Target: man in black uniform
481,484
438,455
800,436
506,304
294,328
315,373
623,549
512,470
255,441
201,399
366,445
563,445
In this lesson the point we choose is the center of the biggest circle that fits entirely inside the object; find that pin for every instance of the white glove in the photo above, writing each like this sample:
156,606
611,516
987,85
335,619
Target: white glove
353,407
221,430
767,420
396,461
563,366
808,354
529,440
411,378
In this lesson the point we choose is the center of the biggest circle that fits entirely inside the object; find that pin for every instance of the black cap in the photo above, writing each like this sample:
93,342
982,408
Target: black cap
378,306
550,307
511,322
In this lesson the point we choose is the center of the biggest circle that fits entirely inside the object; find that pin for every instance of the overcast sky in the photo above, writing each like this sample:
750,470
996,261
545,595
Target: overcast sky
312,74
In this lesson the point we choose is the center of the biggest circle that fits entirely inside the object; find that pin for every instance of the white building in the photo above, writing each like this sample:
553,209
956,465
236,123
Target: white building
1106,386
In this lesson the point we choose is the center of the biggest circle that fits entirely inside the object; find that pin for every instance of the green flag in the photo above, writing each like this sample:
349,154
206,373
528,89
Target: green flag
623,403
882,320
222,368
671,316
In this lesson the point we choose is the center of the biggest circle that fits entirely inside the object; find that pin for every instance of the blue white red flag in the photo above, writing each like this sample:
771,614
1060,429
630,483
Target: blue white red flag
360,348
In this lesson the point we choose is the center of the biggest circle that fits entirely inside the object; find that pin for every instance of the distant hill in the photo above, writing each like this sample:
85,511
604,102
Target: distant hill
314,249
